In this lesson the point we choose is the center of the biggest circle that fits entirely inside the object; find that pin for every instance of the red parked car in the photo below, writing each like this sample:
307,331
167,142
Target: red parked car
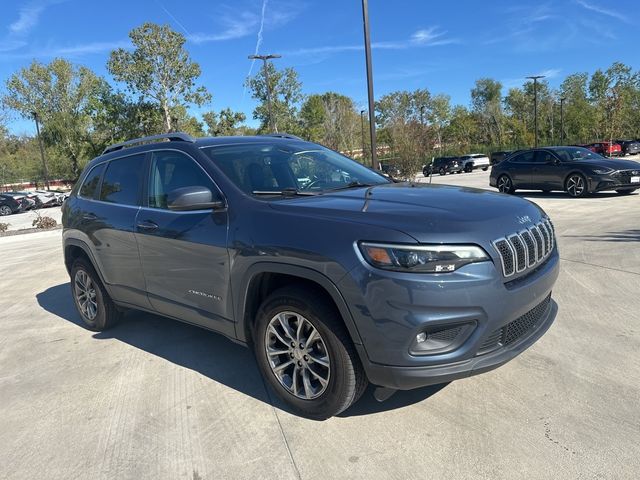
606,149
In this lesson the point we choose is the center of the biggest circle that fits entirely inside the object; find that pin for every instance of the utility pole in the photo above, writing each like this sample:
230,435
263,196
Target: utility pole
362,129
265,58
562,99
372,111
535,105
44,161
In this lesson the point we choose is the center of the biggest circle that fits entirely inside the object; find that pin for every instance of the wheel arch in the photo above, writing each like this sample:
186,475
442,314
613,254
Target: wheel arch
74,249
571,172
261,279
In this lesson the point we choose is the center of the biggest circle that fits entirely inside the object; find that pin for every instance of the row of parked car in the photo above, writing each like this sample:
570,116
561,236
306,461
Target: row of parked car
464,163
16,202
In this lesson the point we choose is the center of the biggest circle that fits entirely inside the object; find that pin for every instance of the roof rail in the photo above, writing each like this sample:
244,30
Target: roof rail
281,135
172,137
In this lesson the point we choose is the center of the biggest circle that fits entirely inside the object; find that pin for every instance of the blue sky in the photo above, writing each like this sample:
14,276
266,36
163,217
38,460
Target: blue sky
443,46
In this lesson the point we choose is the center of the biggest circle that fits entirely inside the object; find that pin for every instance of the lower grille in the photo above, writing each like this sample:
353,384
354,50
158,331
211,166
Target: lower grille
513,331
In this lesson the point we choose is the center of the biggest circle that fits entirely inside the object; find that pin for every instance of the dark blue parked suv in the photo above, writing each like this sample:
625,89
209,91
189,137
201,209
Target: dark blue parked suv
333,274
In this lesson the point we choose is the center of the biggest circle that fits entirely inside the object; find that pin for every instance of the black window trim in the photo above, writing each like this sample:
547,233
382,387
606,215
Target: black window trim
145,186
99,188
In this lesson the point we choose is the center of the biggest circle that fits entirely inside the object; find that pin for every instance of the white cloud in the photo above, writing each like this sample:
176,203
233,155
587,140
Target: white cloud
29,16
429,37
604,11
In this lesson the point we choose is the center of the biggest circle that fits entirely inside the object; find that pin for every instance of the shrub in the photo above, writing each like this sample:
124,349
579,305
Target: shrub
43,222
4,227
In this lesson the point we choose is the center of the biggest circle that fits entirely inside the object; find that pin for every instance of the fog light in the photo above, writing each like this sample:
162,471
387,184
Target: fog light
421,337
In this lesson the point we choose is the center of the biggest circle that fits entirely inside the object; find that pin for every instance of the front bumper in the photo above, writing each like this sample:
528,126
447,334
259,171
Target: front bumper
391,308
614,181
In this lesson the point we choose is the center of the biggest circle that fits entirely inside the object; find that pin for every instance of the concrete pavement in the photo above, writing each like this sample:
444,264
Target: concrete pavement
153,398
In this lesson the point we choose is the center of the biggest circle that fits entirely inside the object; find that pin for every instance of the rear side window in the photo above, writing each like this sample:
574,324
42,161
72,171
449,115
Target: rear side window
91,181
172,170
525,157
122,180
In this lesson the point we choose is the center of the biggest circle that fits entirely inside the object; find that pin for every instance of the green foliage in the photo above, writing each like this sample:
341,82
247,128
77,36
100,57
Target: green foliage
226,122
332,120
286,94
159,69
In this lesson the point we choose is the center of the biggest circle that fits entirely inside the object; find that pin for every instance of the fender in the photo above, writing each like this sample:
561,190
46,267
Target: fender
71,241
241,285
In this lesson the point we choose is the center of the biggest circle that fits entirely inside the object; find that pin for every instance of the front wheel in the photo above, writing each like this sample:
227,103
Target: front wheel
468,168
626,191
576,185
484,169
442,172
505,185
305,353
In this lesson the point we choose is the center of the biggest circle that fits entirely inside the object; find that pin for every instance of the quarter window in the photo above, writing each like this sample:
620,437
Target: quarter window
122,180
170,171
91,181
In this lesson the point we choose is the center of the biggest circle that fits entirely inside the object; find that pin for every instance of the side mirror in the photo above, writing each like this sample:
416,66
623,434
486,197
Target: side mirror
193,198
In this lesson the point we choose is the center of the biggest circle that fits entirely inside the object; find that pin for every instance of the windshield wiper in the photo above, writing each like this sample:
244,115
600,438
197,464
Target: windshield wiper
354,184
285,192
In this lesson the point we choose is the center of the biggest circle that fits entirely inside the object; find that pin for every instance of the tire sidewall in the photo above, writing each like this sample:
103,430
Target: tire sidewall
584,181
332,399
99,322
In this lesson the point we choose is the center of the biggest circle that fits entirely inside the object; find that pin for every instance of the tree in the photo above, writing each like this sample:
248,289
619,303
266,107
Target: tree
331,119
224,123
285,92
486,102
160,69
60,93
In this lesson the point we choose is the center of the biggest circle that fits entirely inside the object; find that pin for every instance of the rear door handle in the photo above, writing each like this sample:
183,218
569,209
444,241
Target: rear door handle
89,216
147,226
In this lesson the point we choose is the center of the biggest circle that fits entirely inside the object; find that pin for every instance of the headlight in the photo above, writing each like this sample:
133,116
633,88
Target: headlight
602,170
421,258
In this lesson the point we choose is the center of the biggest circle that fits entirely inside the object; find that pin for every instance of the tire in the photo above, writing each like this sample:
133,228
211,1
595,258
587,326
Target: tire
626,191
442,172
5,210
468,168
344,380
546,191
102,313
505,185
484,169
576,185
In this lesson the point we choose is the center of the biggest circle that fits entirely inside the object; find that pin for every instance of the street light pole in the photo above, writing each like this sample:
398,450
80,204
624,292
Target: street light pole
265,58
44,161
535,105
562,99
362,129
372,111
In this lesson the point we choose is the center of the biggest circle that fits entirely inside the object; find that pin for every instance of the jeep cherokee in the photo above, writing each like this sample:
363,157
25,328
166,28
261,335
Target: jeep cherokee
339,280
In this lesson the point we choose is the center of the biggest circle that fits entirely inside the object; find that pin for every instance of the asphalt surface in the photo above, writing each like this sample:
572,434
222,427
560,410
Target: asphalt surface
156,399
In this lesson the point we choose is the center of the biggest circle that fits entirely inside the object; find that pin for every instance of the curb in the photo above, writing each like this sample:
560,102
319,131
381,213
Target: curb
24,231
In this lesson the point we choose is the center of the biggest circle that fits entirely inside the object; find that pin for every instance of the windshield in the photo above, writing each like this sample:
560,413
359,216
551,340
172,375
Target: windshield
573,154
259,168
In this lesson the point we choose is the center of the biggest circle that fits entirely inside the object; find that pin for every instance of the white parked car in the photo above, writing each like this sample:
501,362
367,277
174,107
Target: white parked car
474,161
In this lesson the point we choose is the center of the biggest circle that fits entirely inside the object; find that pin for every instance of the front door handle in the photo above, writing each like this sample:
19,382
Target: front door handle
147,226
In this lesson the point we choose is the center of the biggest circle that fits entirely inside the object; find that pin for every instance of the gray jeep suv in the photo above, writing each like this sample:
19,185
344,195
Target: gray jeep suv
333,274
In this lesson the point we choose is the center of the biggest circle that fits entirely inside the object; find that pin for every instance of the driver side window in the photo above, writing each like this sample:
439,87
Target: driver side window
171,170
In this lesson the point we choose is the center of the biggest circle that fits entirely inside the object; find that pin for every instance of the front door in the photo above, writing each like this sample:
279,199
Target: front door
546,171
184,253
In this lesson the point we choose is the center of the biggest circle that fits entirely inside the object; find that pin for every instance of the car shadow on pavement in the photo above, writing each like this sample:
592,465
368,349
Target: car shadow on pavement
632,235
539,194
211,354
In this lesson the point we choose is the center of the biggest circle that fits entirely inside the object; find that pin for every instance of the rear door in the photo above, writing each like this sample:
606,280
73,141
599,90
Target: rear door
546,172
108,219
520,169
184,253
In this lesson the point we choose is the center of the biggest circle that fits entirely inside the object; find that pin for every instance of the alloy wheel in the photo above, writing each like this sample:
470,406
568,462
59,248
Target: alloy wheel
297,355
575,185
86,295
504,184
4,210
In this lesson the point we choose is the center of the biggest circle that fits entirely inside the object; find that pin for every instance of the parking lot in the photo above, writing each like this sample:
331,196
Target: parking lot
154,398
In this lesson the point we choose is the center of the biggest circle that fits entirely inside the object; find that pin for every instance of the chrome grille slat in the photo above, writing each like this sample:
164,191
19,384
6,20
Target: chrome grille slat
526,249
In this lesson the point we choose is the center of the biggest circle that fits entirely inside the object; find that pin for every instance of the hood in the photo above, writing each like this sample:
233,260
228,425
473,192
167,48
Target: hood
610,163
428,213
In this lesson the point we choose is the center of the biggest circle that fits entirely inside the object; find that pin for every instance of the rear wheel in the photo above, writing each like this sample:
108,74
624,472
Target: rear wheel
442,171
305,353
97,310
626,191
576,185
505,185
5,210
